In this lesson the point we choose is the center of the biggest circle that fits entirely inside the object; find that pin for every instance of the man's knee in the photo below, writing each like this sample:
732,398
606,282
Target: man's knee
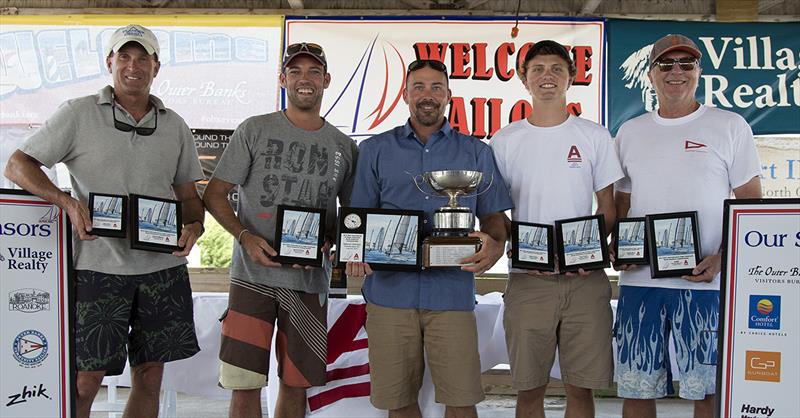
292,392
577,392
88,383
148,375
532,395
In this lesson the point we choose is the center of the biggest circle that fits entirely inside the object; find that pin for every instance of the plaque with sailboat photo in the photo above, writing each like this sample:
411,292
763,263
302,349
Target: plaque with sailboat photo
674,243
109,214
387,239
581,243
629,242
532,246
299,235
155,223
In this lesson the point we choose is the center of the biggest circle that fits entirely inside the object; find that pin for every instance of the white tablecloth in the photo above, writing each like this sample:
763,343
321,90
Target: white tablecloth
198,375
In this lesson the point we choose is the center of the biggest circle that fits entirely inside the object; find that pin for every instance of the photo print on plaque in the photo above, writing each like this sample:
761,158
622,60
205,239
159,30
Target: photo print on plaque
630,246
581,243
155,223
387,239
673,243
109,214
532,246
299,235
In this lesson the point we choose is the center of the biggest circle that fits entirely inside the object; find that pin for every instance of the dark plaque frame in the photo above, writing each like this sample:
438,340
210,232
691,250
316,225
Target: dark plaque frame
644,259
347,224
136,241
280,239
592,265
652,245
122,232
516,262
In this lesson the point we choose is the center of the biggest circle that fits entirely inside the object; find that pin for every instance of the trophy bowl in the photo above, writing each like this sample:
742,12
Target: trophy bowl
453,183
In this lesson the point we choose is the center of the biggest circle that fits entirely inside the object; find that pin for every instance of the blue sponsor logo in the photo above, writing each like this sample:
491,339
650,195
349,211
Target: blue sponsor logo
765,312
30,348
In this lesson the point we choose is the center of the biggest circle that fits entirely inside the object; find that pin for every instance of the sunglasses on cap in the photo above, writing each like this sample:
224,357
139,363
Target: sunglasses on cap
666,65
419,64
311,48
124,127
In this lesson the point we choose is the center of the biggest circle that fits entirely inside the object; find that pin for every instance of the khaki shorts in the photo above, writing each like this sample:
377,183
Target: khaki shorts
568,312
397,338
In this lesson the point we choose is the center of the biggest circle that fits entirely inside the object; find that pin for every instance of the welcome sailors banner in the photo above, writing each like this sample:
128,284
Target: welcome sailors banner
368,56
748,68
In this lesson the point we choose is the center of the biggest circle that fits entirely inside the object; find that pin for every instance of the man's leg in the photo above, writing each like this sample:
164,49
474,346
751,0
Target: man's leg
291,402
88,383
580,402
705,407
408,411
245,404
639,408
460,412
145,388
530,403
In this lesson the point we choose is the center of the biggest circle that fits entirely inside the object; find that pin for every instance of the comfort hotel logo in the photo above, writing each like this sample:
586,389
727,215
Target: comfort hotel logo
765,312
763,366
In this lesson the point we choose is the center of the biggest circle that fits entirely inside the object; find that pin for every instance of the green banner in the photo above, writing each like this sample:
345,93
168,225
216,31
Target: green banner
748,68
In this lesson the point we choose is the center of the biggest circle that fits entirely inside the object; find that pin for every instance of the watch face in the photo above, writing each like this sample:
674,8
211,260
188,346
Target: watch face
352,221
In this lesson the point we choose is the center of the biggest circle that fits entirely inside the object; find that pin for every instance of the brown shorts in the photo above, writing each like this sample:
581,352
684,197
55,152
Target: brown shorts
568,312
247,328
397,338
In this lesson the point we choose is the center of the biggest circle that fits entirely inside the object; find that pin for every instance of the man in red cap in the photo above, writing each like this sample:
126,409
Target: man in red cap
683,156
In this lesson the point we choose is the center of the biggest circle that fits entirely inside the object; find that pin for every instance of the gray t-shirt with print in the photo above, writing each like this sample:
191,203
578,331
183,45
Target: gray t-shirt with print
274,163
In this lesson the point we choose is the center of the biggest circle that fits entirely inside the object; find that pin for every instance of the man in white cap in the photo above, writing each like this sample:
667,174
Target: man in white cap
682,157
122,140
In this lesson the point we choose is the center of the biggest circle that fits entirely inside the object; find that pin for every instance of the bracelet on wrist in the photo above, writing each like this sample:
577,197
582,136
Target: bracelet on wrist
239,238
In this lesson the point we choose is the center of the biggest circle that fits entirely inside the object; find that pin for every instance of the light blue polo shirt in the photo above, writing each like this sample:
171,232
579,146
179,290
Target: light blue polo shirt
386,164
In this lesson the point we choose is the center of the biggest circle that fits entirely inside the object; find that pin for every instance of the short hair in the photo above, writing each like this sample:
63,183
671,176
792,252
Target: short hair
547,47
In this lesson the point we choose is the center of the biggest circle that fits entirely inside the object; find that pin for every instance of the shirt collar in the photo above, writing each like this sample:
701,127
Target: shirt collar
445,130
106,94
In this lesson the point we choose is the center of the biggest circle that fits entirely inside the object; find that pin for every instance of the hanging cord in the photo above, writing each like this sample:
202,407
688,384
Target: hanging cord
515,29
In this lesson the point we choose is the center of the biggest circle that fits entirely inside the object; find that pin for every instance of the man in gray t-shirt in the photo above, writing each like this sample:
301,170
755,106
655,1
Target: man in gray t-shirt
293,158
128,303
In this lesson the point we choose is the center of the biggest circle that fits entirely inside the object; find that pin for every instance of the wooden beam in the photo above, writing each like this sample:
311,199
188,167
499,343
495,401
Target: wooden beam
737,10
418,4
296,4
765,5
590,6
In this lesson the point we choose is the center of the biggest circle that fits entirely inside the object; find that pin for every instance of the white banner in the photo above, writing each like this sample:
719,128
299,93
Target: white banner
215,70
758,370
35,357
368,57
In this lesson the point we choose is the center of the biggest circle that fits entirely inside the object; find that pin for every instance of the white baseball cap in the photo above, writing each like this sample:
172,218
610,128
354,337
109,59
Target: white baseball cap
133,33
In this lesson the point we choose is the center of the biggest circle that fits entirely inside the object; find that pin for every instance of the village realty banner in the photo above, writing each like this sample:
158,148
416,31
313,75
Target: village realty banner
748,68
368,56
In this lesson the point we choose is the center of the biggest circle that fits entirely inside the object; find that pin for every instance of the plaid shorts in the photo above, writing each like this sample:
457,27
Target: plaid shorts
148,316
247,330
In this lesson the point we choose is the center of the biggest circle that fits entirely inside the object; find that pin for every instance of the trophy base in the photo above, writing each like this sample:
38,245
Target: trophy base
448,251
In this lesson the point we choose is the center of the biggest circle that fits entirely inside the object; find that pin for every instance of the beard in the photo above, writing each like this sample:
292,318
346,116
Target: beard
428,117
303,102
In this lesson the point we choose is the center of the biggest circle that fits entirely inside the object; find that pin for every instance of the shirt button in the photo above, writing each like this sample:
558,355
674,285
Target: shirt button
427,197
424,221
427,150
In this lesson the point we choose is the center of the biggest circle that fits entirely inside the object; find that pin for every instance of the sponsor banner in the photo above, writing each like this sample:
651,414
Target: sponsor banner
780,165
215,70
368,56
760,305
748,68
210,144
35,337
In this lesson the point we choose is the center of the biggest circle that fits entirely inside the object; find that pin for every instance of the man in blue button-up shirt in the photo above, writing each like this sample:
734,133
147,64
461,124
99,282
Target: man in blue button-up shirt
431,310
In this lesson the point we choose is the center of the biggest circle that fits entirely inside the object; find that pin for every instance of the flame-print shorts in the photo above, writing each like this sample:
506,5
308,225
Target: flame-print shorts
646,318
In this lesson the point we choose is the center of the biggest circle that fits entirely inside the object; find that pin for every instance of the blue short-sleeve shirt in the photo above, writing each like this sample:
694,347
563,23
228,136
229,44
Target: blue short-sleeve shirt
386,164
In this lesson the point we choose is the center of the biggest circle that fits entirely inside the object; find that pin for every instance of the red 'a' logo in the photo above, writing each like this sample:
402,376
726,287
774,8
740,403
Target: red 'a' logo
574,156
693,145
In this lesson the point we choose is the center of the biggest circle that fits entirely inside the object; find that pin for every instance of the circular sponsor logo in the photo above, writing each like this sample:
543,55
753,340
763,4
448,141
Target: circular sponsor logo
764,306
30,348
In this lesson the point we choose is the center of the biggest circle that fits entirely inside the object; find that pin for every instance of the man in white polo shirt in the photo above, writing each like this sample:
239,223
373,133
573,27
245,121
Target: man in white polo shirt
682,157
